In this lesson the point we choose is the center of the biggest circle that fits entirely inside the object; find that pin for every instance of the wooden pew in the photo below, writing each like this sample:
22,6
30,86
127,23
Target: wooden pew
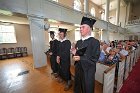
135,59
137,56
120,75
131,61
106,76
138,51
126,67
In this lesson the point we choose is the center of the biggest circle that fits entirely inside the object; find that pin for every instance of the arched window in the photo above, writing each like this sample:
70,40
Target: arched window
77,5
92,11
7,34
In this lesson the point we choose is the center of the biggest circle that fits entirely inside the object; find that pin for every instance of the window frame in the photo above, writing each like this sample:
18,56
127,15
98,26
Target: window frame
77,6
10,34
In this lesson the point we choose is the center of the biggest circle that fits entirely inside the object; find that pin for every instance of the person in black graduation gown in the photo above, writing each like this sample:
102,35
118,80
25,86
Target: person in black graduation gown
53,53
85,65
63,58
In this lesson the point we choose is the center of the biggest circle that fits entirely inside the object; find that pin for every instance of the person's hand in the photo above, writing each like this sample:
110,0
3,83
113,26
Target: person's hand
73,51
76,58
73,45
50,53
58,59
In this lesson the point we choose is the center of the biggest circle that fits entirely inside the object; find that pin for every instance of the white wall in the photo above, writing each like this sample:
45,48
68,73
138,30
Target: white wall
116,36
71,36
22,36
112,14
105,35
121,17
47,40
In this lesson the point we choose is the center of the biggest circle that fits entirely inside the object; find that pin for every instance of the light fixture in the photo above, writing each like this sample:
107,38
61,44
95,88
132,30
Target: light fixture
77,25
4,12
53,21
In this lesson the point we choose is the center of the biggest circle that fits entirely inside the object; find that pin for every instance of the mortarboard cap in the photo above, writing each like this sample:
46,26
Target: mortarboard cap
62,30
51,32
88,21
81,52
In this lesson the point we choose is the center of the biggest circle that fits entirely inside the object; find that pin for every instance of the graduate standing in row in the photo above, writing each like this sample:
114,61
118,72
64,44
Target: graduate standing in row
63,59
85,66
53,53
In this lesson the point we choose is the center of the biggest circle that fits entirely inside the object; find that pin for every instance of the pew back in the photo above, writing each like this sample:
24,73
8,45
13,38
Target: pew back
120,75
109,78
126,68
106,76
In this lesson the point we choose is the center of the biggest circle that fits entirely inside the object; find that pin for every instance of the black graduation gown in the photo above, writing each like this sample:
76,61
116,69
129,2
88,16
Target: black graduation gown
64,53
85,68
53,49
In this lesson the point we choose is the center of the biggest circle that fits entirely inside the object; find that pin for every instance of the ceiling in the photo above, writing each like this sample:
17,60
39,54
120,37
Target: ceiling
113,3
13,19
17,19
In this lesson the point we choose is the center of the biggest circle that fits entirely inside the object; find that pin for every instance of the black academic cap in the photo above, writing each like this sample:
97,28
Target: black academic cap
51,32
62,30
88,21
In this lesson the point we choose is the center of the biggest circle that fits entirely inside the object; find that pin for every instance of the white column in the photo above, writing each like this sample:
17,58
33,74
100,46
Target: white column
128,12
38,41
118,12
86,6
107,10
105,33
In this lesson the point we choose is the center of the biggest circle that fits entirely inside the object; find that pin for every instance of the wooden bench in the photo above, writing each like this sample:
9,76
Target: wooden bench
104,78
119,75
106,75
127,67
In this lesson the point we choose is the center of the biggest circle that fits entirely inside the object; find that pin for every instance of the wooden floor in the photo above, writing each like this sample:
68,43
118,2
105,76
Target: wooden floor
36,81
